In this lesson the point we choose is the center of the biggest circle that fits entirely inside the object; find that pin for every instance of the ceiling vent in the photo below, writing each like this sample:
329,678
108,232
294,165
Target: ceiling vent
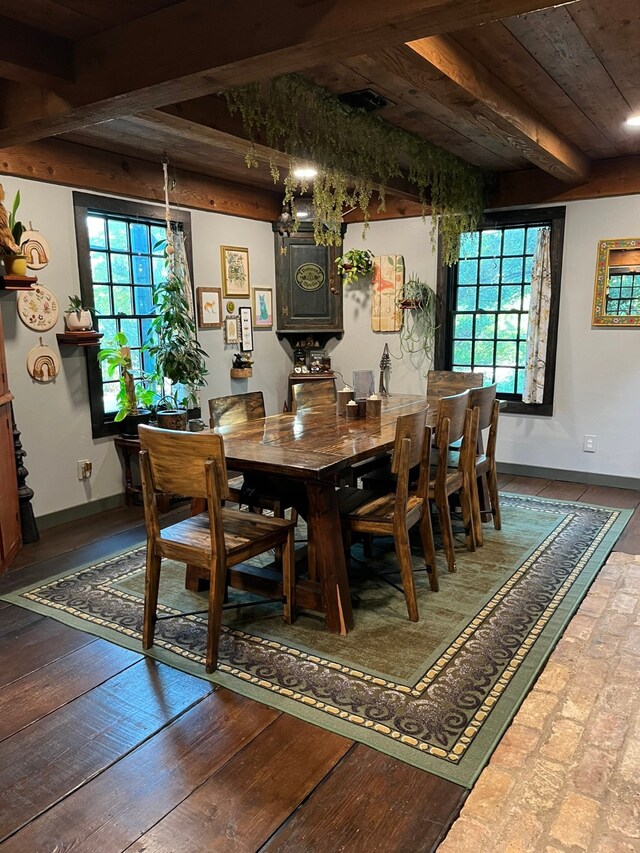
363,99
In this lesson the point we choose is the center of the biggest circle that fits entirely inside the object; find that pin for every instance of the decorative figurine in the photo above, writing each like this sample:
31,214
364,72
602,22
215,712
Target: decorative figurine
385,364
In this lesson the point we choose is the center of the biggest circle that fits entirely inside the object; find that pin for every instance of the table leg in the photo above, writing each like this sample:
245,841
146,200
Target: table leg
324,526
128,477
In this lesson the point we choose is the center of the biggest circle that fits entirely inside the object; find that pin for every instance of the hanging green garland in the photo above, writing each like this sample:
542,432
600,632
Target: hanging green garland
356,152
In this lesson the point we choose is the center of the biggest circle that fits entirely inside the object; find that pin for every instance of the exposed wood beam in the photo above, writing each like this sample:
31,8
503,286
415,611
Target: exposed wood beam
131,68
66,163
30,55
477,95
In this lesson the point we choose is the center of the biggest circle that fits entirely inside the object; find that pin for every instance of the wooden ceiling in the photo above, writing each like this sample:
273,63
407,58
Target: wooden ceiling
536,92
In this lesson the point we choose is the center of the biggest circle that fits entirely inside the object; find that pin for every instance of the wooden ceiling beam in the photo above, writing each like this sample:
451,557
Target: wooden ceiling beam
196,47
476,94
30,55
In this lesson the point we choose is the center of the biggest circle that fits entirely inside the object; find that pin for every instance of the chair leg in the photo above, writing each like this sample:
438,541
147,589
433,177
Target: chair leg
476,515
403,552
367,545
151,584
466,504
447,533
289,577
217,584
428,547
495,500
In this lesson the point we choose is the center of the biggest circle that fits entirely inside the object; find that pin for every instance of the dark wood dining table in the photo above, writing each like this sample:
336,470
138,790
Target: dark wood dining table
309,452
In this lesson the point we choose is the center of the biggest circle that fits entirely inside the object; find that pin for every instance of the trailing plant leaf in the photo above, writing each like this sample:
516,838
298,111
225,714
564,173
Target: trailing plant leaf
354,264
355,153
418,330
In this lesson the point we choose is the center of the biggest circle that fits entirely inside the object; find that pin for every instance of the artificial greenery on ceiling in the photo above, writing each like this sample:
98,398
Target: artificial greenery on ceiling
355,152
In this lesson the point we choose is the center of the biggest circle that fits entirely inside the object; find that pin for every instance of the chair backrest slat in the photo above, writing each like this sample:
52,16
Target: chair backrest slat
452,408
178,460
483,398
452,381
236,408
411,427
313,393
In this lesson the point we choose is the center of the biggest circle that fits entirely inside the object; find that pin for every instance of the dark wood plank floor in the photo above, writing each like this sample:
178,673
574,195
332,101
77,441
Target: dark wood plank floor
104,750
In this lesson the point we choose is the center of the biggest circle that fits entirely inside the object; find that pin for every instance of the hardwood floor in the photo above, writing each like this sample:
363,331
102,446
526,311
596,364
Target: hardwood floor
102,749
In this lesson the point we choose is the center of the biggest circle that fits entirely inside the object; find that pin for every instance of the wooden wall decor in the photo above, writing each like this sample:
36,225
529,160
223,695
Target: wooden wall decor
43,363
387,280
38,308
35,248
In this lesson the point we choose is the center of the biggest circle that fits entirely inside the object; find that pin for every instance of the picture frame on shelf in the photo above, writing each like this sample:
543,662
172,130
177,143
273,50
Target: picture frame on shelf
235,271
209,303
262,308
232,330
246,329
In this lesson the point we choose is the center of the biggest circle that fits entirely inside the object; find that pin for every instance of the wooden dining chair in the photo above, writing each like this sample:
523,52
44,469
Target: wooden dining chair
455,422
452,381
395,513
194,464
484,399
311,394
240,408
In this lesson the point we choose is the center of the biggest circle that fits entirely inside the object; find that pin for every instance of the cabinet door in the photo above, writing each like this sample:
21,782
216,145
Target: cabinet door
308,288
10,537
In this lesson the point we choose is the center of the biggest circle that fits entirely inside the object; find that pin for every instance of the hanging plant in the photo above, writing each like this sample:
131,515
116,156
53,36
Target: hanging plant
418,330
354,264
355,152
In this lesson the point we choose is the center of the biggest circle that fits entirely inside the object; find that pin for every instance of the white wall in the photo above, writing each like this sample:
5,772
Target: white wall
54,418
597,378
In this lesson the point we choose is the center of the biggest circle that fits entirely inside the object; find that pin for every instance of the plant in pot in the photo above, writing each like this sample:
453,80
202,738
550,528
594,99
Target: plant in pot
179,359
77,318
134,398
354,264
419,323
11,231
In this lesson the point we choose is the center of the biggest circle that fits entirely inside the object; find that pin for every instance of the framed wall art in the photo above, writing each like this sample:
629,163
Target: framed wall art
246,329
262,308
209,302
235,271
231,330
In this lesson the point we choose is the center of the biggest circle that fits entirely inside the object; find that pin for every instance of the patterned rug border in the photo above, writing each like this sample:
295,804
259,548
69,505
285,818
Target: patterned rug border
511,688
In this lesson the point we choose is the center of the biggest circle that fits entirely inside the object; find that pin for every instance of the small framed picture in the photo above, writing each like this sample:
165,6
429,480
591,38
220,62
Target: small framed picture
235,271
315,360
246,329
262,308
231,331
209,301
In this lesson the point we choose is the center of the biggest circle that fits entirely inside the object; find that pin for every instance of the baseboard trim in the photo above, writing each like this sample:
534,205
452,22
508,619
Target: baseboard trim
587,477
75,513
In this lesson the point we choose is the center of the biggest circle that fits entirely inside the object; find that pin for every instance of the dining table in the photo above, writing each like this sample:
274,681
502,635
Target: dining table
307,454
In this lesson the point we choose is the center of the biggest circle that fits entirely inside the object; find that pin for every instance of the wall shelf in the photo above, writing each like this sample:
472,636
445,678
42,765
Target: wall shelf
10,283
79,339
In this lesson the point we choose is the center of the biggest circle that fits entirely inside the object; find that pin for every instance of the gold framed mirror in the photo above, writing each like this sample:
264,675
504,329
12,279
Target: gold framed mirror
616,297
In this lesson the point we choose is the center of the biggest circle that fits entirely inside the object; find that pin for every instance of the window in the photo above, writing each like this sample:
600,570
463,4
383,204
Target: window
484,303
119,263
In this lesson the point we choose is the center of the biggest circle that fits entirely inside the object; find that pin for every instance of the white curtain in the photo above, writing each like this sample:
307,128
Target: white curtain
538,320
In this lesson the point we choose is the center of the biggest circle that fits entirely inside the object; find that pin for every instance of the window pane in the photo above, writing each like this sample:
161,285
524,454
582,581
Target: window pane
118,236
488,299
141,270
131,328
528,269
511,270
101,299
507,326
489,271
485,326
136,361
466,299
108,328
109,395
513,241
139,235
469,244
524,326
511,298
526,297
462,352
146,329
467,272
520,382
144,300
532,238
483,353
463,326
122,300
490,243
158,235
120,269
97,232
506,353
159,269
99,266
522,352
506,379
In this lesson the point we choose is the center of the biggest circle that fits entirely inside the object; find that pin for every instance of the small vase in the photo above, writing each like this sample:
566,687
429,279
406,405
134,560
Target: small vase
174,419
78,321
15,264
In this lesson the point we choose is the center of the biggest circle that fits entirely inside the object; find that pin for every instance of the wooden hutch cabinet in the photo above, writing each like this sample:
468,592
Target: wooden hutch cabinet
10,536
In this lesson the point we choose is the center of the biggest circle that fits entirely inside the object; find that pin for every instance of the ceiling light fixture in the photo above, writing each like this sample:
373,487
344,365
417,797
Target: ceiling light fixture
305,172
634,121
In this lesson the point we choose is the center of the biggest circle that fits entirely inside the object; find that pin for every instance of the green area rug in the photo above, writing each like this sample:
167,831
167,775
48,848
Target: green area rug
437,694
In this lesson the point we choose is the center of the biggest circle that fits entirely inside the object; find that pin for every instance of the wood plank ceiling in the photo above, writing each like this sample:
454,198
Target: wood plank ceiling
514,86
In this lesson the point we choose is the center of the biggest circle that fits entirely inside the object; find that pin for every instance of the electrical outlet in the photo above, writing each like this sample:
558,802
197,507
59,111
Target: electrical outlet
84,469
589,444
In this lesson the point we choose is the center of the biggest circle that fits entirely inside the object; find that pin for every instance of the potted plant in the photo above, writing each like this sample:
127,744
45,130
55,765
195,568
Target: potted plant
354,264
133,398
419,324
172,342
76,317
11,231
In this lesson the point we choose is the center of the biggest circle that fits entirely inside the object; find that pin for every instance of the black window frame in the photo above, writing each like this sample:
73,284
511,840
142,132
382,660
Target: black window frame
551,216
102,423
